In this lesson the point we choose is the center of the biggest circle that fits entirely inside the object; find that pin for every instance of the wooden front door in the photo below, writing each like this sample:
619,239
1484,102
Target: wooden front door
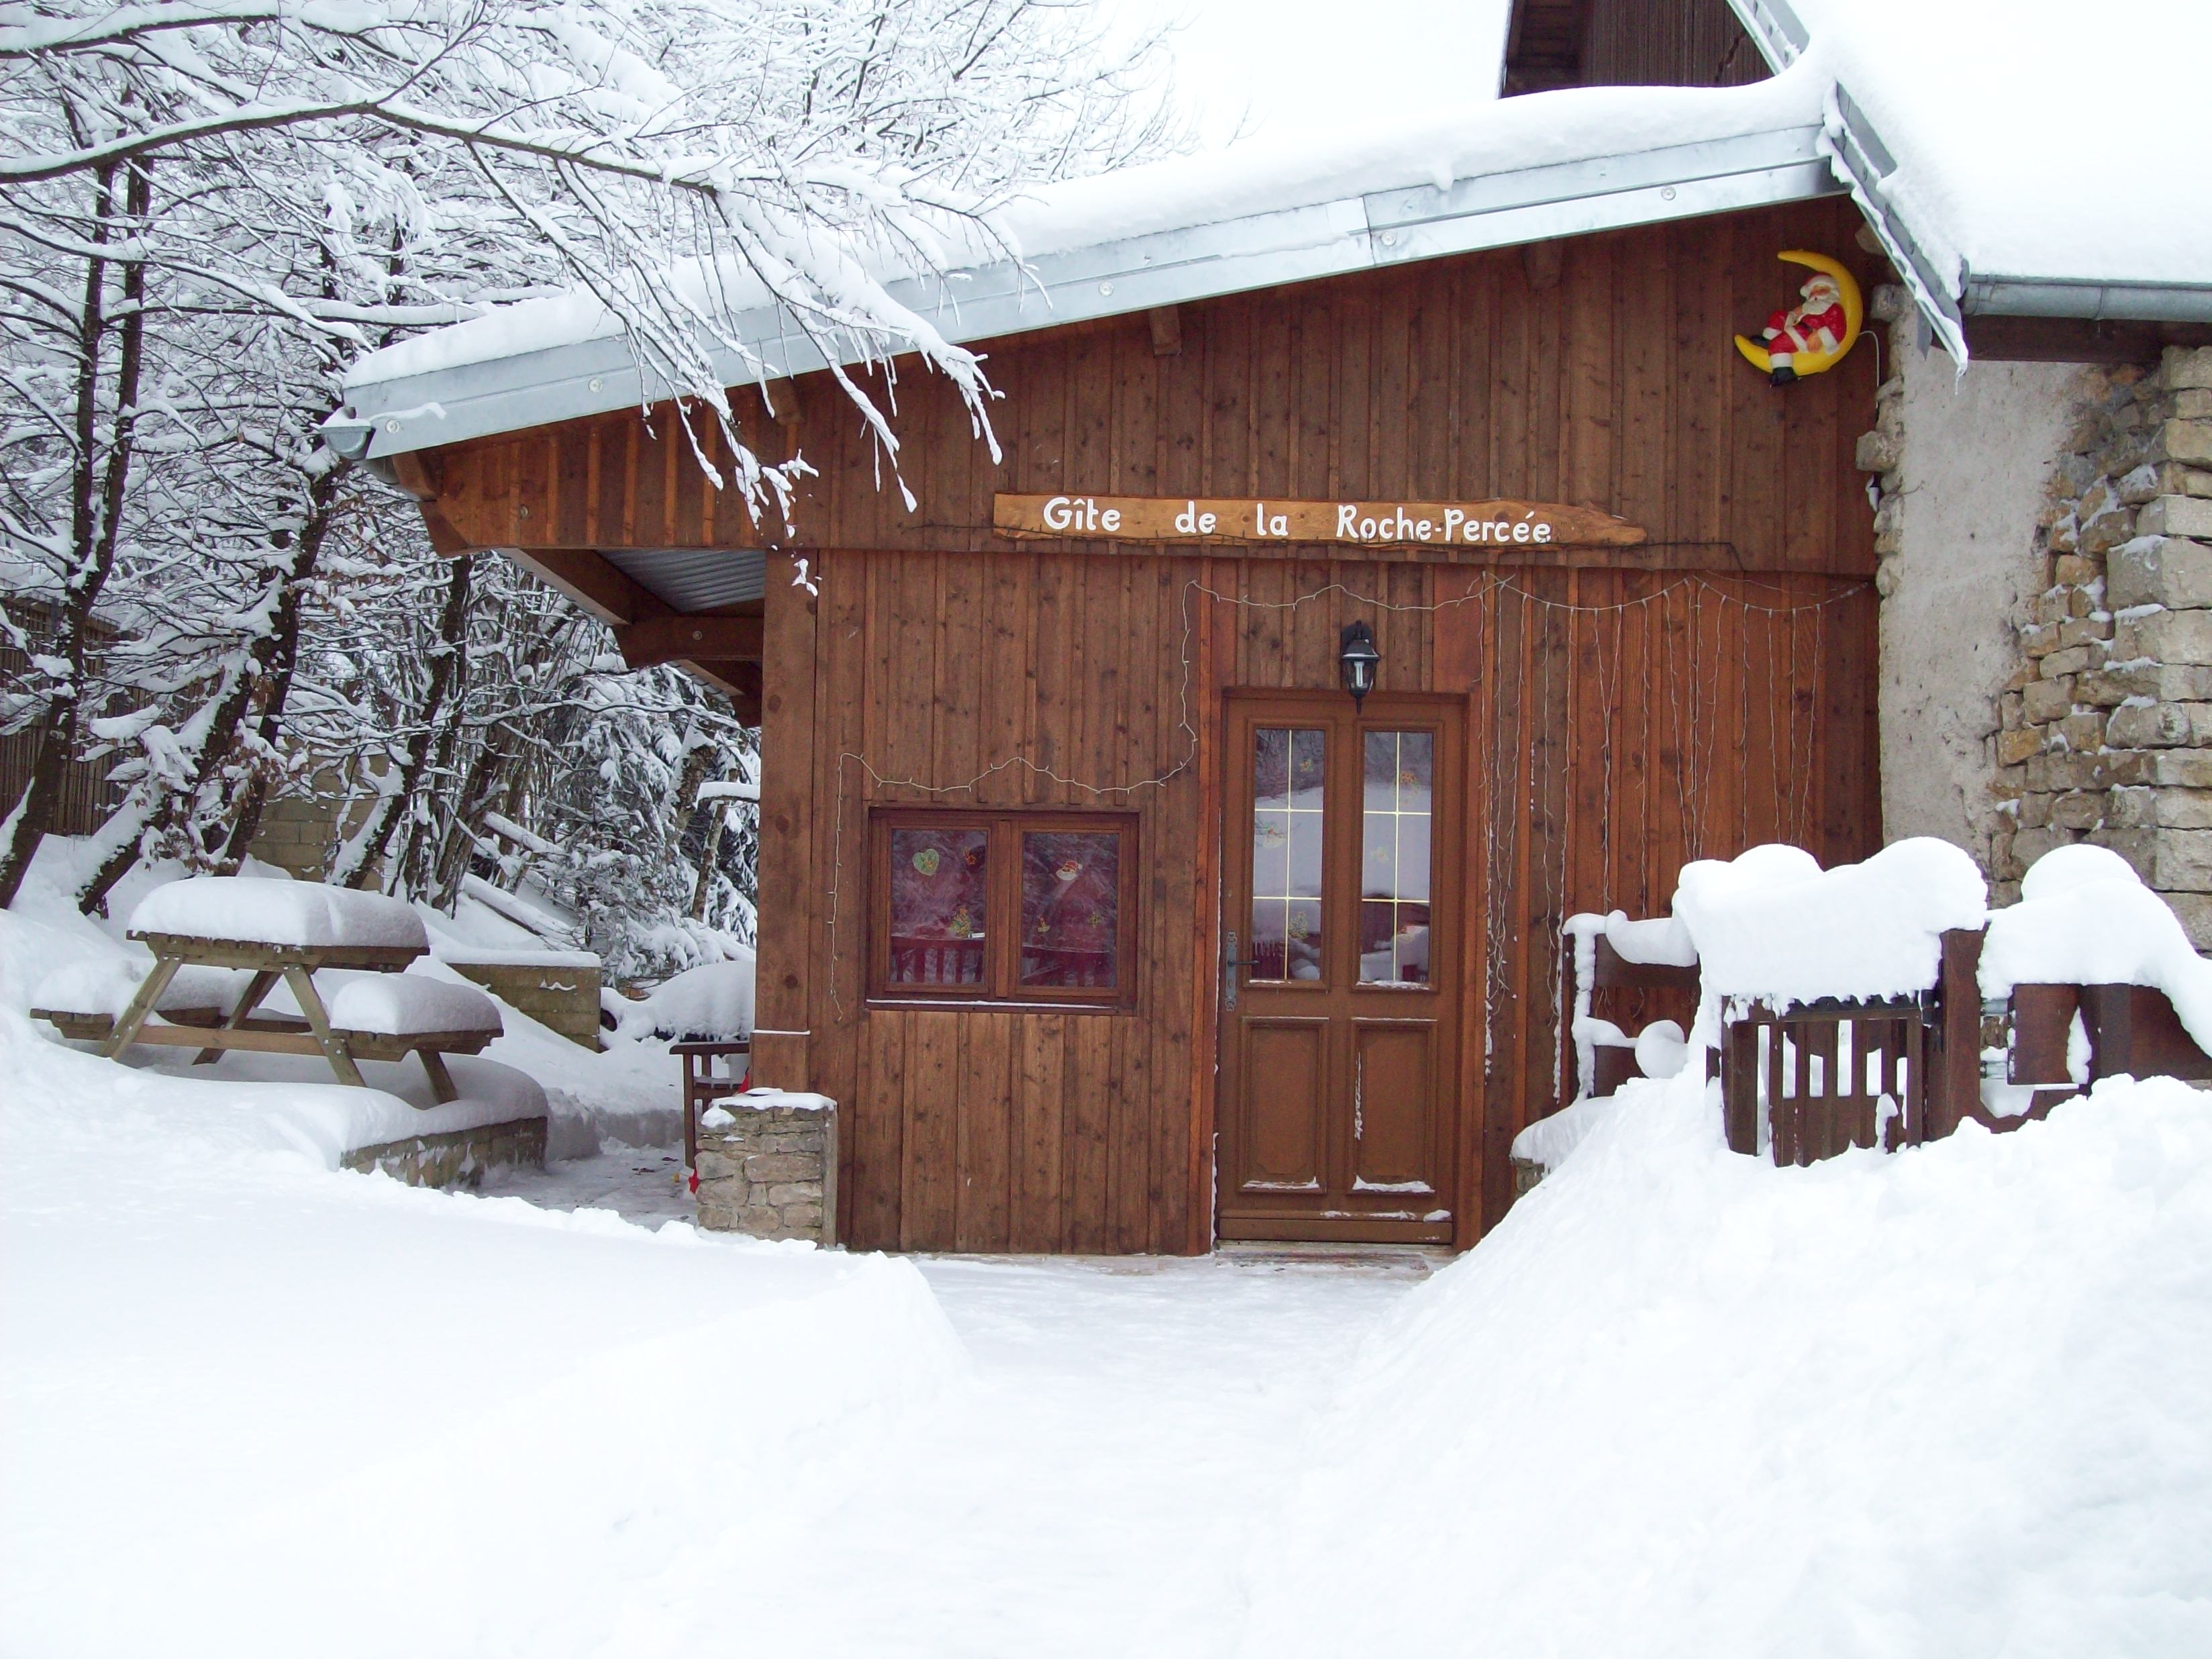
1342,933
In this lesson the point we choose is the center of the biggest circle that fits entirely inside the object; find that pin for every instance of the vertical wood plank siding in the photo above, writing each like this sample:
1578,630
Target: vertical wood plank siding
1622,722
1624,711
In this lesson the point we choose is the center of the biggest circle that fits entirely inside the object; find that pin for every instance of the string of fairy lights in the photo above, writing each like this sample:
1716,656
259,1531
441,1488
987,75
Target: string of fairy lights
1684,662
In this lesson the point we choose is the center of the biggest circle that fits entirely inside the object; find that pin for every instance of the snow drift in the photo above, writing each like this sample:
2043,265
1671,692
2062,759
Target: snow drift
1945,1401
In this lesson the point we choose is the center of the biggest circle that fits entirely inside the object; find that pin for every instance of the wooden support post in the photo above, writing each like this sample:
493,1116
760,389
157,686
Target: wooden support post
319,1022
1952,1044
149,992
256,989
441,1080
1740,1086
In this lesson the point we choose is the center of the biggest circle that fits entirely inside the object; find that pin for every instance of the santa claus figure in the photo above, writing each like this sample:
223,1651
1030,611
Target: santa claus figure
1816,323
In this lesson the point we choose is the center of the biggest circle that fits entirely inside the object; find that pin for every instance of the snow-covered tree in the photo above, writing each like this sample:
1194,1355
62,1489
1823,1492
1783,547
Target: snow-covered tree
208,206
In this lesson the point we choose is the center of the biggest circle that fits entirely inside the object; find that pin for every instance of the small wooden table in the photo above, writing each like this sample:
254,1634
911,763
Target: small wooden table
241,1028
702,1088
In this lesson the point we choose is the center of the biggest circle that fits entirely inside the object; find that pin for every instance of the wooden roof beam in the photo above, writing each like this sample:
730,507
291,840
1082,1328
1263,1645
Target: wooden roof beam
740,682
699,641
593,583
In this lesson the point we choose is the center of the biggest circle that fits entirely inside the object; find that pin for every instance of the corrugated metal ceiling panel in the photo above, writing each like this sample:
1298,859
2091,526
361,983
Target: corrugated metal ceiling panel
695,578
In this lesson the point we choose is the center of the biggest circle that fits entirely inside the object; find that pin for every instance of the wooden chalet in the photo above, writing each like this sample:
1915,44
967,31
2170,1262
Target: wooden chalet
1110,916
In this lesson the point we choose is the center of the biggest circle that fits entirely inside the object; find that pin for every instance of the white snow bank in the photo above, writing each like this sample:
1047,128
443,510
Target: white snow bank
2085,918
353,1418
1772,924
105,984
1682,1404
265,910
714,1000
409,1005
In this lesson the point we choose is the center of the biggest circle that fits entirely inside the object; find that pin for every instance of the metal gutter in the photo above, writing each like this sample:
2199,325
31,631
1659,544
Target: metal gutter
2039,296
1385,227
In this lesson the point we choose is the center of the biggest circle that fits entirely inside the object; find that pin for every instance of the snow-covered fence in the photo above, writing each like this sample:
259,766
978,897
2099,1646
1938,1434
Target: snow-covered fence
1802,1081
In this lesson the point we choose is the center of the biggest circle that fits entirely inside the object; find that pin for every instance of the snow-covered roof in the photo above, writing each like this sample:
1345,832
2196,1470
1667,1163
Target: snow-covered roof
1505,172
2037,158
1964,130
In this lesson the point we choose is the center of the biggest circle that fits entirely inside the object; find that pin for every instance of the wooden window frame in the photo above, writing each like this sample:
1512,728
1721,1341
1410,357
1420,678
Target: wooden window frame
1001,987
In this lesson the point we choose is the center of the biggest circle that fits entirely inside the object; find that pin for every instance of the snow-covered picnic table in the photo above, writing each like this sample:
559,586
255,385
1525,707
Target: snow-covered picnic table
221,944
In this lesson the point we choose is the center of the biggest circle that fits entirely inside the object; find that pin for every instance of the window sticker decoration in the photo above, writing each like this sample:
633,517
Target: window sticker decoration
939,891
1071,909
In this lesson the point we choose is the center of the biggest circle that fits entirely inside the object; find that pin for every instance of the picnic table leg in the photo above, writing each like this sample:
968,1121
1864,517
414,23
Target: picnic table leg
142,1004
441,1080
311,1004
255,990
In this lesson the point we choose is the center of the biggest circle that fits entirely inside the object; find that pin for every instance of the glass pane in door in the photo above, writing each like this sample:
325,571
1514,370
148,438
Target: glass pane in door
1288,773
1396,807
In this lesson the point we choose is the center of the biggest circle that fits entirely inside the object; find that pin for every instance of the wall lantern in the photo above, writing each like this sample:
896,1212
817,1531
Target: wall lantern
1358,658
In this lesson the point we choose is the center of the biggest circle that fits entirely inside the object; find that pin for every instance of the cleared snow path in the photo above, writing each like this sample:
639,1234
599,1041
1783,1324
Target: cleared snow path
1091,1486
1094,1488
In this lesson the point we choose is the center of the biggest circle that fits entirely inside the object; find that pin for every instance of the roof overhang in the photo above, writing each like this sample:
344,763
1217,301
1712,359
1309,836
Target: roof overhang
1866,162
1360,233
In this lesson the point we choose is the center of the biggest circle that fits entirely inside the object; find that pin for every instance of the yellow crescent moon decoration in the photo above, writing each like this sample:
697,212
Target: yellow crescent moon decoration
1815,362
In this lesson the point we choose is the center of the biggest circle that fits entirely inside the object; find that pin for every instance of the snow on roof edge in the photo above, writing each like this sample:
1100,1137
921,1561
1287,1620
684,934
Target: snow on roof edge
1527,169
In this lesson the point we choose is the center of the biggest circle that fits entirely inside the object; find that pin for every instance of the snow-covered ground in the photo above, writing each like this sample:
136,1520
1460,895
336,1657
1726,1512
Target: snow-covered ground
1953,1400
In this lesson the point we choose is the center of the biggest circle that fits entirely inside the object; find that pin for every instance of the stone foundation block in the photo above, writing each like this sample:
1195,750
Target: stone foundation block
770,1172
2160,725
2176,515
2084,810
2029,845
2182,366
2195,912
2161,569
2189,442
2171,860
2015,746
2057,772
2082,732
457,1157
2165,636
2107,688
2047,700
2137,808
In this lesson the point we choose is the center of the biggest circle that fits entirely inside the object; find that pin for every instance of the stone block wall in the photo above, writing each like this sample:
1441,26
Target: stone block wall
457,1157
562,992
767,1166
295,833
2106,728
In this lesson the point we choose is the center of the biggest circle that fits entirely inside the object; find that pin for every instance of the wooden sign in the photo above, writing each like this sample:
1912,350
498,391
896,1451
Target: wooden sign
1494,523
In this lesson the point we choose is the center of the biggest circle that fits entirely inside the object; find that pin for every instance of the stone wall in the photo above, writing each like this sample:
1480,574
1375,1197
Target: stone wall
562,991
457,1157
768,1167
1962,464
2107,725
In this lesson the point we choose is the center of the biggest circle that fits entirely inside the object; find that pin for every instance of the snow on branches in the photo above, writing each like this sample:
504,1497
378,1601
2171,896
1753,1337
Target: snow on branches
209,207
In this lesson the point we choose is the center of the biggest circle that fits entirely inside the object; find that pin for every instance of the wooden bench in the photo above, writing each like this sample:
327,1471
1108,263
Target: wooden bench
213,1031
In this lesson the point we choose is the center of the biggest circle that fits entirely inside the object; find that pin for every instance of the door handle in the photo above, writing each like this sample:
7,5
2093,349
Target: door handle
1230,964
